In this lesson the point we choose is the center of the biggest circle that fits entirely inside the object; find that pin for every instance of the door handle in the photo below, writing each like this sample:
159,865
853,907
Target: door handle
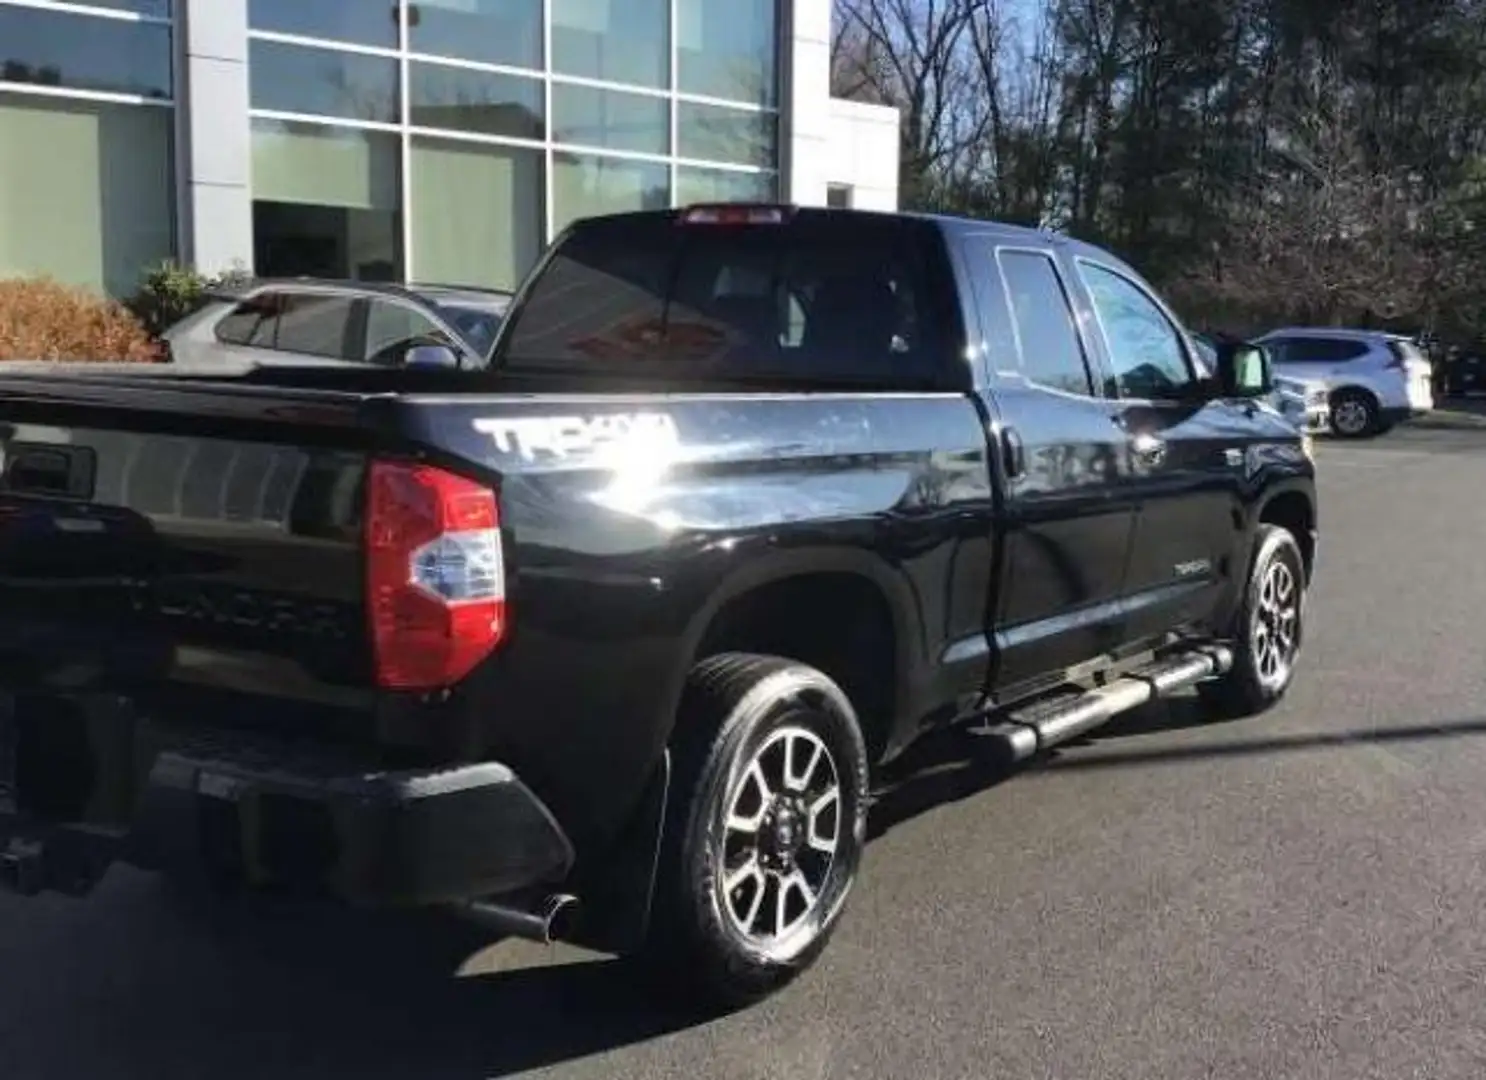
1148,448
1013,453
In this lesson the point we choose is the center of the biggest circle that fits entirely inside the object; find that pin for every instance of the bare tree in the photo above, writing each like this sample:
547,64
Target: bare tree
917,56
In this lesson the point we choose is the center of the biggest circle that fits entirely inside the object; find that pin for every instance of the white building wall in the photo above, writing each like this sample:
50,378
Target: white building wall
806,119
861,153
826,142
213,135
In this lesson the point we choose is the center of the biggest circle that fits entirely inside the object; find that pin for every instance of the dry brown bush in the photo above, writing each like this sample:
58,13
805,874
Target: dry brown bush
41,319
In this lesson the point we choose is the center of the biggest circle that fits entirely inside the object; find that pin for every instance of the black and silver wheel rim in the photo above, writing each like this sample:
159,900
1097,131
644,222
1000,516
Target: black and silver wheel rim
1351,416
1275,631
782,831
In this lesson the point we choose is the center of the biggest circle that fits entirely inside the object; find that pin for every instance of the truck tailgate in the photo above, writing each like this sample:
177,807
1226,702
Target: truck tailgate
159,540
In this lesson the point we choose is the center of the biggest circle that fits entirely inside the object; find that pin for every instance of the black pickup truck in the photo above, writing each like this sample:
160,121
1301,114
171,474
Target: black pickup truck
605,639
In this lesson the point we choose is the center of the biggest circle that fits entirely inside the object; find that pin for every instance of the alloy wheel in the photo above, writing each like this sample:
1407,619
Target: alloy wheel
1276,623
782,828
1351,416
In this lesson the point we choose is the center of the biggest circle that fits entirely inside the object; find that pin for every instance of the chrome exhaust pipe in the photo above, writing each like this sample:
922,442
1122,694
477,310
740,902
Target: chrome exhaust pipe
545,922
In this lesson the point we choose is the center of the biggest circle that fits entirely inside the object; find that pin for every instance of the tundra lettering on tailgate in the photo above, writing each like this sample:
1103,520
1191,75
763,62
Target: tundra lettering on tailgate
538,437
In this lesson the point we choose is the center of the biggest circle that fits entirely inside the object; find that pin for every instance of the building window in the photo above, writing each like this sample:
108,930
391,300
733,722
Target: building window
584,185
478,212
617,41
507,32
87,162
358,23
327,202
728,49
503,143
610,119
482,102
694,185
323,82
736,136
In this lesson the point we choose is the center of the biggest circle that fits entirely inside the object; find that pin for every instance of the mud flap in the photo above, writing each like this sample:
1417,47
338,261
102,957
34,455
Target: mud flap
617,893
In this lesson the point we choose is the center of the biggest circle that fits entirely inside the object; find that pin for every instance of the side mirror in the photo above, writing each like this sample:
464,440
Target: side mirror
1244,370
429,355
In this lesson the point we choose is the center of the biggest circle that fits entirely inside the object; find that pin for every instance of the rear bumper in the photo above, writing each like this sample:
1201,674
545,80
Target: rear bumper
271,815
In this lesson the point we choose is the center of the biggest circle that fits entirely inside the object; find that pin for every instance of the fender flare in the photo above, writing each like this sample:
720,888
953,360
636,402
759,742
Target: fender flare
903,605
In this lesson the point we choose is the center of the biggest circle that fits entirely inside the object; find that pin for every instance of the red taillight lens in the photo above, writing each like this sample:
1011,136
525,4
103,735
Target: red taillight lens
436,584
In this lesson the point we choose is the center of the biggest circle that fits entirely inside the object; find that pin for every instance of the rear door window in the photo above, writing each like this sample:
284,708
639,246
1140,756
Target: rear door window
822,297
252,322
316,325
1051,353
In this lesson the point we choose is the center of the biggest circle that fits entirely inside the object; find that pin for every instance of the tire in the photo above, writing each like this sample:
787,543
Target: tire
1355,414
1264,658
743,719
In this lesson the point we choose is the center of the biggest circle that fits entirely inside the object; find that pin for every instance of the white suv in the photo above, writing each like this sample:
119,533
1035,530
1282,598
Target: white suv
1374,379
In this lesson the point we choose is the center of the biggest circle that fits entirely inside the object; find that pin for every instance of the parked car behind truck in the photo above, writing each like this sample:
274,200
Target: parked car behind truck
606,642
301,321
1376,380
1304,402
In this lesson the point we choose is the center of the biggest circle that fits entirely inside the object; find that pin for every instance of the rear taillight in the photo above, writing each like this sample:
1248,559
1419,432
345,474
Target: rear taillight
436,584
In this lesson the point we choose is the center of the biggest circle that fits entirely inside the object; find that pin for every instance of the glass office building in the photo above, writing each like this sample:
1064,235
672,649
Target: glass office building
423,140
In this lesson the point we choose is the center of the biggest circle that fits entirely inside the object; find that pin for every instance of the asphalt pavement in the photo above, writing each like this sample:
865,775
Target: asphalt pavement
1297,896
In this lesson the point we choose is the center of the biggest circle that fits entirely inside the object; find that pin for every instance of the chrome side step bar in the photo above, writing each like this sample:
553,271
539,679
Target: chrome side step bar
1020,734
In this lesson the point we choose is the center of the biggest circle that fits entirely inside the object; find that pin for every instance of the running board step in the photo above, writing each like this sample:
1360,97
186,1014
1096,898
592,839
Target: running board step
1024,732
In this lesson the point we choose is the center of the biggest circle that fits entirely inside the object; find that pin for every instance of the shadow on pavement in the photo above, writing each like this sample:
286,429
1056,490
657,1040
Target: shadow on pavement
1252,747
945,767
288,994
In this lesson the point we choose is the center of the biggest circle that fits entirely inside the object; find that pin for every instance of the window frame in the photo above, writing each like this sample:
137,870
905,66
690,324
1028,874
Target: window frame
1095,390
1183,345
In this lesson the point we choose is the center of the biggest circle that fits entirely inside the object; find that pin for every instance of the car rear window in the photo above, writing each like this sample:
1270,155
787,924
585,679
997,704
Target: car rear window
1407,351
820,297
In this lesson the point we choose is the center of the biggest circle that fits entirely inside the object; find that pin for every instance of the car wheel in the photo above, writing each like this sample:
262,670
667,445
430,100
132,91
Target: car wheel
1268,632
1355,414
765,831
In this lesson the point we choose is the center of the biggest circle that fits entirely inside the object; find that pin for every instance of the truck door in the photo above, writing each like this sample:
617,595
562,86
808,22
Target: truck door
1186,453
1067,517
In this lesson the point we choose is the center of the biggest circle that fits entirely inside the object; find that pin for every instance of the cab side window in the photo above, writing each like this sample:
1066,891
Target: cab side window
1146,353
1047,336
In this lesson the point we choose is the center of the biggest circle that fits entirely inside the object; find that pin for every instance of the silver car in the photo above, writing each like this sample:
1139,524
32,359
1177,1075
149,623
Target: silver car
303,321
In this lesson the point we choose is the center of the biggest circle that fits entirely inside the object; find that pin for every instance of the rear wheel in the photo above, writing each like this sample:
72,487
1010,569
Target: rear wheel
1268,632
1355,414
765,831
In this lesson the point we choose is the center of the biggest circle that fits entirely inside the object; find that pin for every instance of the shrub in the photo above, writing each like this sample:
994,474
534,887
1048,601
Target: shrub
43,320
168,293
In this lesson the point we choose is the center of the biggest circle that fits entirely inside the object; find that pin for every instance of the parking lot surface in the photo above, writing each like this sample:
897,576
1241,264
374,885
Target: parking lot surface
1294,896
